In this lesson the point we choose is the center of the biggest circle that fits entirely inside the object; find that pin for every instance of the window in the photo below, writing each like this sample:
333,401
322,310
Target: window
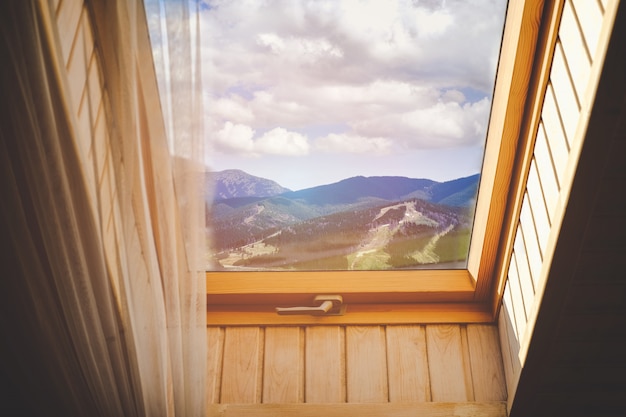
373,113
464,291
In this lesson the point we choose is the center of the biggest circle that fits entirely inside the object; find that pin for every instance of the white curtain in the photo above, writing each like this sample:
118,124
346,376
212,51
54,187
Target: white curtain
91,328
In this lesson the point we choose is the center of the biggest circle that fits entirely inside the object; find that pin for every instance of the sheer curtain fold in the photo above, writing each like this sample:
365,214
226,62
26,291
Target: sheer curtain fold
96,329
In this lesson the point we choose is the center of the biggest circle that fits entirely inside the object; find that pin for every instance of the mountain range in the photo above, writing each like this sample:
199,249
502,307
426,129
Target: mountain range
242,188
355,223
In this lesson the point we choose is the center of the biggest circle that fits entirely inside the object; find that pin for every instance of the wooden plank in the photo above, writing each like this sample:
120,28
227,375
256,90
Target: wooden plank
366,364
325,375
486,361
549,324
547,175
511,344
554,135
355,286
505,349
567,101
589,14
242,365
357,314
467,367
519,45
215,352
604,4
445,362
578,59
408,364
538,207
283,368
517,301
520,258
533,251
475,409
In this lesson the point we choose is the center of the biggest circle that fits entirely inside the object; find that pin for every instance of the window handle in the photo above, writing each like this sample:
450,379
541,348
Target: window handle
330,305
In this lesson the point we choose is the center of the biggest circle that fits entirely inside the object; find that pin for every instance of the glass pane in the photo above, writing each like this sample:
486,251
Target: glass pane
346,135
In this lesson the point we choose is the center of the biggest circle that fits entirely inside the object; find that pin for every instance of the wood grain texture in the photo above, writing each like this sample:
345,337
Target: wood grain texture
531,243
407,363
515,74
355,364
537,203
467,367
547,175
325,365
446,365
487,365
476,409
589,15
569,77
567,101
215,351
229,288
366,364
510,351
517,299
574,48
520,258
357,314
555,135
242,365
283,366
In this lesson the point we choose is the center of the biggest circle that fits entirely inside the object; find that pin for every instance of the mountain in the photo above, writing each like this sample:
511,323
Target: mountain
353,189
234,183
338,218
458,193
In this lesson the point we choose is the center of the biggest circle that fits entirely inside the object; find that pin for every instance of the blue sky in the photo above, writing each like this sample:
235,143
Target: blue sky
311,92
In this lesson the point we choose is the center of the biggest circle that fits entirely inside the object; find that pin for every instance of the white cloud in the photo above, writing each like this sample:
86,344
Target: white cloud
352,143
272,41
432,23
446,124
279,141
303,49
235,138
397,72
233,108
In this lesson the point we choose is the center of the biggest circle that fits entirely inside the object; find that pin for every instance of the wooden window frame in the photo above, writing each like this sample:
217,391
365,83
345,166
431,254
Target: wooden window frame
428,296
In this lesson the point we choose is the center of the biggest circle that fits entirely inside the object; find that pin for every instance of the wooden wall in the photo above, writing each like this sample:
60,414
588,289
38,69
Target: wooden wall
355,364
379,364
577,60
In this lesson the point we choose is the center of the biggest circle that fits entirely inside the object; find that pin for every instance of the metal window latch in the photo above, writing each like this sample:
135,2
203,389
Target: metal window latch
330,305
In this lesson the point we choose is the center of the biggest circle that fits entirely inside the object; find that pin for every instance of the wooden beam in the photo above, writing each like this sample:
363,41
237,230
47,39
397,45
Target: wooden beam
482,409
237,315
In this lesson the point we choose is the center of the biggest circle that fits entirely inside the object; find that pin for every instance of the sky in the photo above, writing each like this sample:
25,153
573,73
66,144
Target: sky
311,92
